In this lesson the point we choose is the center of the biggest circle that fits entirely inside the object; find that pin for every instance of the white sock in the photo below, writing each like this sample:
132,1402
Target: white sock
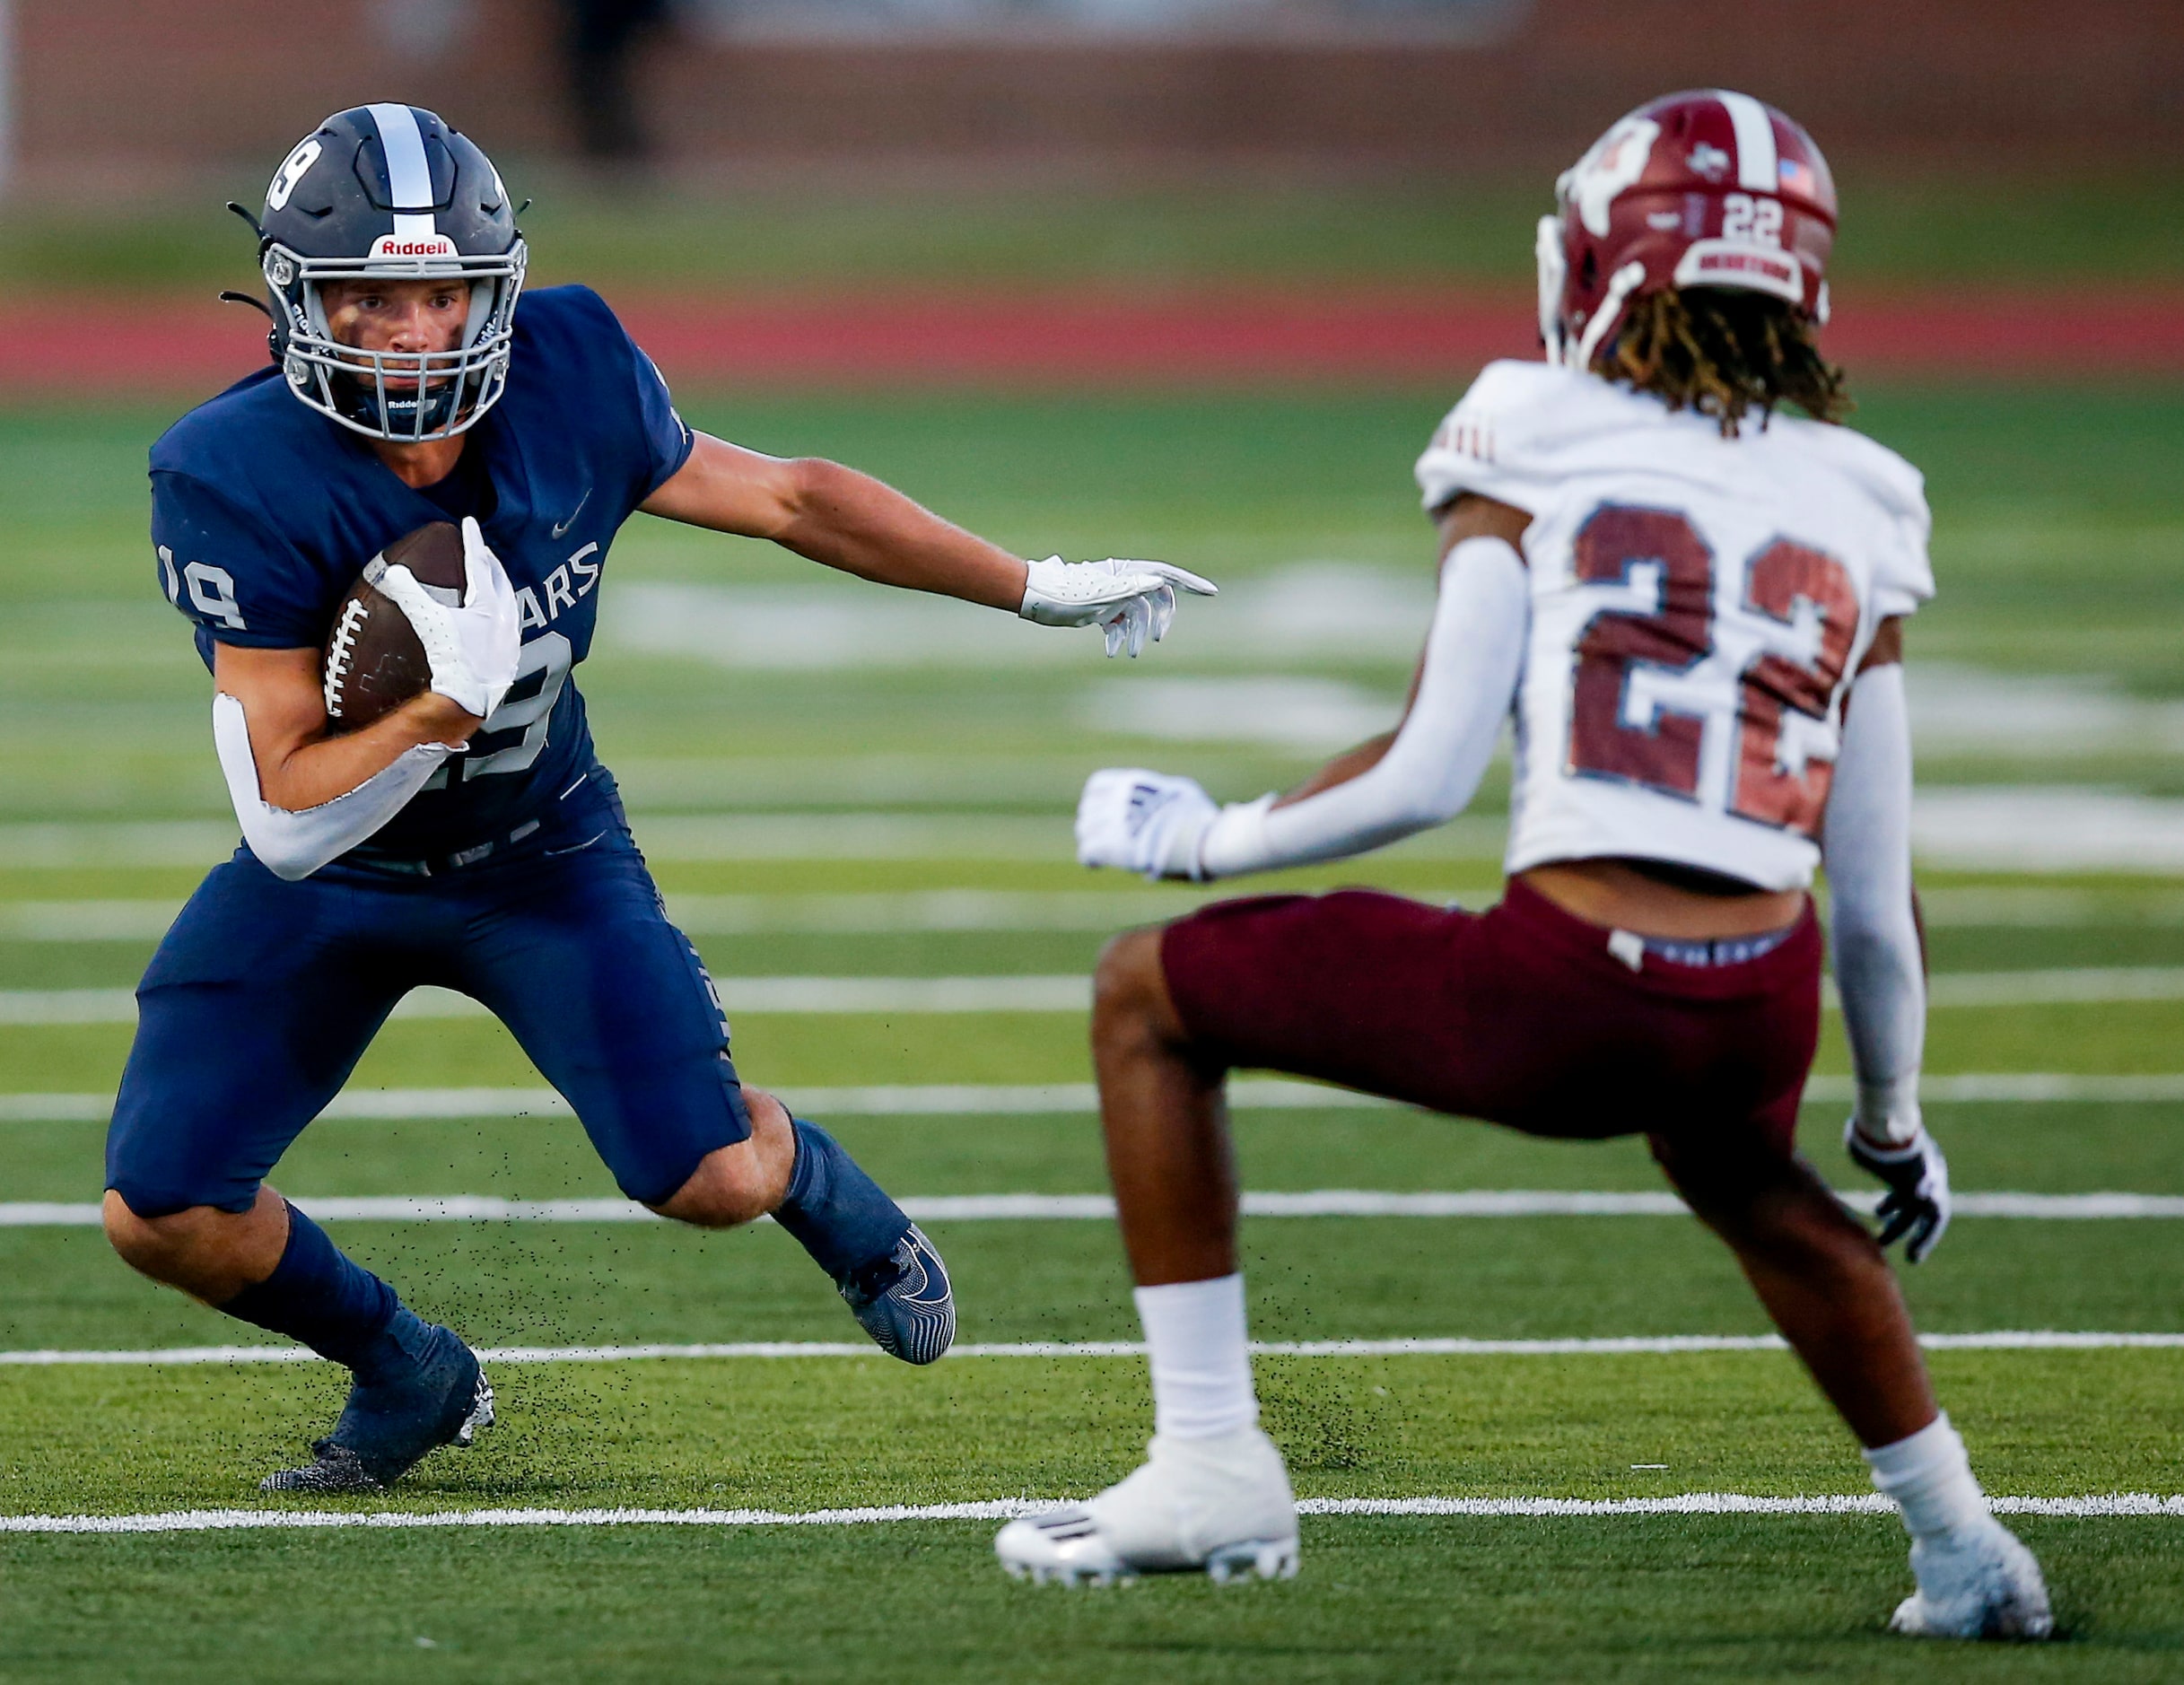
1201,1373
1930,1478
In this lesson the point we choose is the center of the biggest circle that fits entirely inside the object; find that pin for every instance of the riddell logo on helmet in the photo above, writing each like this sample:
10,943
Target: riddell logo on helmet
395,246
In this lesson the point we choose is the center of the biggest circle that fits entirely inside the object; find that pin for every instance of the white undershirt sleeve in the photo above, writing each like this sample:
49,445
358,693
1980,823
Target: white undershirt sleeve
1879,968
293,845
1475,653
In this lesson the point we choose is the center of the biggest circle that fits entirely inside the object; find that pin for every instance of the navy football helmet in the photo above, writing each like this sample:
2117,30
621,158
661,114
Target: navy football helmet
390,192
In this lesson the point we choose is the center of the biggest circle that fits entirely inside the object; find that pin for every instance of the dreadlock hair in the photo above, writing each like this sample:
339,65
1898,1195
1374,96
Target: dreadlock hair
1725,353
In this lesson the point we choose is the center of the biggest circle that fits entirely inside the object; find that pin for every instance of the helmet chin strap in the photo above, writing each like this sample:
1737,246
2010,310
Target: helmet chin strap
1554,269
1621,285
484,295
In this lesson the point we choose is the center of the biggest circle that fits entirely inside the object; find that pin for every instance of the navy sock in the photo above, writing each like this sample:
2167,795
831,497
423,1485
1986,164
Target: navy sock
335,1306
837,1213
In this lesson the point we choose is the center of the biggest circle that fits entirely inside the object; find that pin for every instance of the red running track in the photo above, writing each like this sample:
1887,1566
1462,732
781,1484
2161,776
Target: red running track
165,346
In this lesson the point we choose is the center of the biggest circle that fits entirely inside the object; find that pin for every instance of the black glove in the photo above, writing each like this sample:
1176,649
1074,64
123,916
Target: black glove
1916,1208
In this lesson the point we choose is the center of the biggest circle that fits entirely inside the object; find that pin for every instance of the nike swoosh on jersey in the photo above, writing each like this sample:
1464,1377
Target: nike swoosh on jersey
563,526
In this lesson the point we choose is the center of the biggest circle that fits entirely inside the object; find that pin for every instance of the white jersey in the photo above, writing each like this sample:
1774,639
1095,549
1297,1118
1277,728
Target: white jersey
1699,606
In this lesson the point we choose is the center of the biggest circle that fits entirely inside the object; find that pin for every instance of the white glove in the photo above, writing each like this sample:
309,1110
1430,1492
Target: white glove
1144,822
1916,1203
1128,600
474,646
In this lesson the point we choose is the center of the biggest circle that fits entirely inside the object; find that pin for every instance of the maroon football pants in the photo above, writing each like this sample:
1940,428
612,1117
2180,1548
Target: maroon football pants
1519,1014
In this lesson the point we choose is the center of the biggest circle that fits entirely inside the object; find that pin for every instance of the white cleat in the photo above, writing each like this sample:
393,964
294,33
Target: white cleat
1220,1506
1979,1582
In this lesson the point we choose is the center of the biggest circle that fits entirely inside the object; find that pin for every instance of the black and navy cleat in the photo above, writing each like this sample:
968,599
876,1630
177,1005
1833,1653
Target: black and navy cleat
905,1300
385,1428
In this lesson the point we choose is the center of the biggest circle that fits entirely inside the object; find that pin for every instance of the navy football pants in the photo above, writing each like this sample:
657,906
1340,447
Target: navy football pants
265,994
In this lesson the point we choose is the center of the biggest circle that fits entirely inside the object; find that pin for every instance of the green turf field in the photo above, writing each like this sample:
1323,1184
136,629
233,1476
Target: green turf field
880,806
1955,228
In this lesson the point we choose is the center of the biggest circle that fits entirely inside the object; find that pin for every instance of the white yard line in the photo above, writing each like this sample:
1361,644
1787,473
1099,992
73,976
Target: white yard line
1068,992
2061,986
2026,1088
2003,907
875,913
132,920
1072,991
1620,1346
880,1100
882,913
1081,1098
2103,1504
67,1006
1048,1208
2047,828
857,834
2052,828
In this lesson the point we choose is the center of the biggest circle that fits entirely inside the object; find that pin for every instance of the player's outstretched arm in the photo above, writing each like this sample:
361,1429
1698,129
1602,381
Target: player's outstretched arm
842,518
1880,963
1418,775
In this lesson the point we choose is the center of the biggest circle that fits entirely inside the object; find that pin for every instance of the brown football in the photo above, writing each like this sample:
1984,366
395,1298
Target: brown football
373,661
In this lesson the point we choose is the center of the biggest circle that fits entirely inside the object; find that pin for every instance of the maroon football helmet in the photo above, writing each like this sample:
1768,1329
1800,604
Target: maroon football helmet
1703,190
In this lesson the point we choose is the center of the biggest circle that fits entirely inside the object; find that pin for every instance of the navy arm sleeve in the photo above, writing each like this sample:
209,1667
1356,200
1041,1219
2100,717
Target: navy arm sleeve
236,581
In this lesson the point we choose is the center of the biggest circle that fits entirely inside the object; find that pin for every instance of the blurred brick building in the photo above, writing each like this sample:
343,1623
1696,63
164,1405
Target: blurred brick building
112,88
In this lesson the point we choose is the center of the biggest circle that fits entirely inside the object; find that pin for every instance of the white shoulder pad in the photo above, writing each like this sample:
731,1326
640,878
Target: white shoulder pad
1903,573
1497,441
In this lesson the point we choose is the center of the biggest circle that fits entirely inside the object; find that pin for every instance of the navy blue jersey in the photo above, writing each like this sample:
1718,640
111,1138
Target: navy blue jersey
264,512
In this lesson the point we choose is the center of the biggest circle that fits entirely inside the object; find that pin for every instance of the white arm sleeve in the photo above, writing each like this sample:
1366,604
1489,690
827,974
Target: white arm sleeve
1473,655
294,845
1866,840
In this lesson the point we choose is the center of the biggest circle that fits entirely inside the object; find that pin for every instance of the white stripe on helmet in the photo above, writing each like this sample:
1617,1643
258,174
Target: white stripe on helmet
1758,169
409,178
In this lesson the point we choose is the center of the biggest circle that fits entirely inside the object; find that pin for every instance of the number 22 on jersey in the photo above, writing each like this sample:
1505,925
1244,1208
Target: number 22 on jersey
1785,674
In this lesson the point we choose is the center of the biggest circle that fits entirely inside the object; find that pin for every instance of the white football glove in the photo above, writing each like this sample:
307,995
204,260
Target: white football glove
1130,601
473,646
1144,822
1916,1208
